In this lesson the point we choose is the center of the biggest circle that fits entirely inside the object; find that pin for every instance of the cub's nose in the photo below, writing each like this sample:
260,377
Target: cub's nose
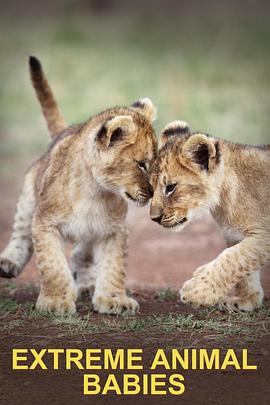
157,219
156,213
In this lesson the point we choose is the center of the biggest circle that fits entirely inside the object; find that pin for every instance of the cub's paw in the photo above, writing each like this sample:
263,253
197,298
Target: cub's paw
58,305
115,305
8,269
246,304
200,291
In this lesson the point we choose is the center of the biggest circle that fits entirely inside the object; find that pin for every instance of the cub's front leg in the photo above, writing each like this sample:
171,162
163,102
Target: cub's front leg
213,282
246,295
58,292
110,295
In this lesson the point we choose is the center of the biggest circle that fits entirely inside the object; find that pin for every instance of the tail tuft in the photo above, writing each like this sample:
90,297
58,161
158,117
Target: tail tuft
34,64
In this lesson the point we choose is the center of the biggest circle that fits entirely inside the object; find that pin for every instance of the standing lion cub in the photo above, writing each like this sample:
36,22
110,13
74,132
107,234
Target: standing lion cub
195,172
78,190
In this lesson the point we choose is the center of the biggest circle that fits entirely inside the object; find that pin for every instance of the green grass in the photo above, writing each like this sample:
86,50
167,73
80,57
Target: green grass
210,323
166,294
246,327
195,69
8,305
10,285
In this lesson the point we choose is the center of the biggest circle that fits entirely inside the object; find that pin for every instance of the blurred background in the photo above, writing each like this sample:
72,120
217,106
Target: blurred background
206,62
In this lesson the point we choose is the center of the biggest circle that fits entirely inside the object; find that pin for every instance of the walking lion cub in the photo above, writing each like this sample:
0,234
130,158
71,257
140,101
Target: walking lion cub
78,190
195,172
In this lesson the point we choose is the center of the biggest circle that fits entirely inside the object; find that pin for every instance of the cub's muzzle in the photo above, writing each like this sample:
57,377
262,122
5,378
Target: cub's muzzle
156,213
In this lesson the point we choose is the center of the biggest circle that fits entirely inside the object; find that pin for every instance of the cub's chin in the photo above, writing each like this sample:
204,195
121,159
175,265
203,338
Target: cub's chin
177,226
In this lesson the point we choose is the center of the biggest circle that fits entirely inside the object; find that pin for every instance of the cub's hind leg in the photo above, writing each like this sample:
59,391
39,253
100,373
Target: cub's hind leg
20,247
246,295
82,266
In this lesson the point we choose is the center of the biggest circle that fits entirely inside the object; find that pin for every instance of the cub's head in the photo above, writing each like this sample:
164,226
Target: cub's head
183,177
126,147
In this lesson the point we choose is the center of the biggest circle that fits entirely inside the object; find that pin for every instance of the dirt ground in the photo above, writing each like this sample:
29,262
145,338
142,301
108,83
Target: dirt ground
157,260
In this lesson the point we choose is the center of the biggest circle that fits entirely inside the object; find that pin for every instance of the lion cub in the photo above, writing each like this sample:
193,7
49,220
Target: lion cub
196,172
78,190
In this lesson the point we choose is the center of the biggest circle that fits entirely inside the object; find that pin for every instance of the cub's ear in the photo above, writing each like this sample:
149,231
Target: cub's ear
145,107
175,128
200,153
117,129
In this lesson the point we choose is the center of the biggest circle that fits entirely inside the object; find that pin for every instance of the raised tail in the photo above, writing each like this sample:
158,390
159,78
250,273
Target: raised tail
46,98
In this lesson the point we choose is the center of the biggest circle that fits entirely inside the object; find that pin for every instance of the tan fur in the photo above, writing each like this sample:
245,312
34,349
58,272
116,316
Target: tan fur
232,182
78,191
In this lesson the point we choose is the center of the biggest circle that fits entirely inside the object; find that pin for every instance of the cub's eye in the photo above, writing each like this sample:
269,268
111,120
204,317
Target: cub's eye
142,165
170,188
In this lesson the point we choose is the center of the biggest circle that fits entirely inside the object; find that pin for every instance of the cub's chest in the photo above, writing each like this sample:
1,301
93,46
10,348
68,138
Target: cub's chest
94,219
